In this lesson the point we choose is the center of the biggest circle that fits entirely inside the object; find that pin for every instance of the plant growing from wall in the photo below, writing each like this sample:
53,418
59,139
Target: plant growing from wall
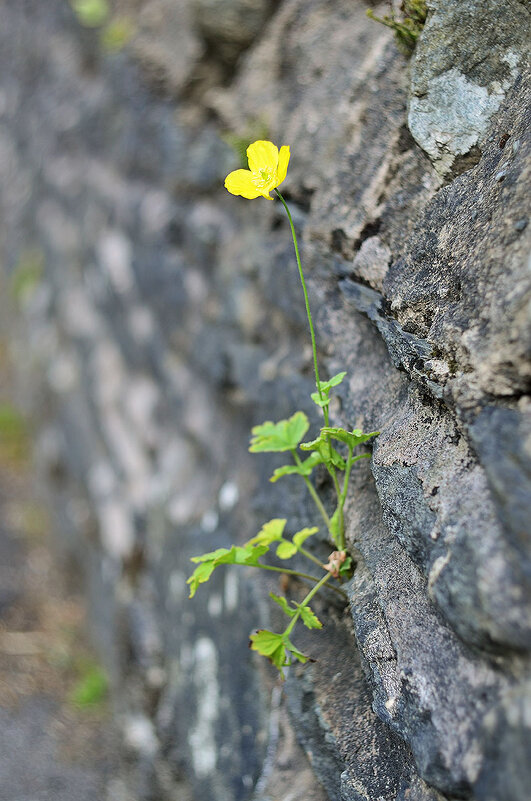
333,447
408,26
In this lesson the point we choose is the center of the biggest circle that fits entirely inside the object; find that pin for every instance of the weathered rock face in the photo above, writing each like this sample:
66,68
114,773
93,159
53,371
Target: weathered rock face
167,319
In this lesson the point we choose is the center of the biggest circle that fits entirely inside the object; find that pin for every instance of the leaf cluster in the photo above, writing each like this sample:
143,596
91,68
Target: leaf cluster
278,437
272,532
322,398
276,648
333,448
236,555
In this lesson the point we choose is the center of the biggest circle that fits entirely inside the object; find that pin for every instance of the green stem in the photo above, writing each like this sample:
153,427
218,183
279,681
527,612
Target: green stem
343,497
309,555
300,575
288,571
346,477
340,541
313,493
317,383
306,601
307,302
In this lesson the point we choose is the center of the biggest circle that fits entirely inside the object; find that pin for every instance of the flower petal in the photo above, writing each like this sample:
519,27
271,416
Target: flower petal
283,161
262,155
240,182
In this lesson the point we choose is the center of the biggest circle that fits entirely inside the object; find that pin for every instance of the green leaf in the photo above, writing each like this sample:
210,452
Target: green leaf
323,399
236,555
91,688
285,470
309,618
91,13
322,403
312,445
211,556
243,555
295,652
326,386
304,469
270,532
286,550
199,576
301,536
328,454
276,647
350,438
270,645
282,436
281,601
346,567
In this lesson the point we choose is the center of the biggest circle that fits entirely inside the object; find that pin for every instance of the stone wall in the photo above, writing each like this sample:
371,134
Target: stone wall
159,318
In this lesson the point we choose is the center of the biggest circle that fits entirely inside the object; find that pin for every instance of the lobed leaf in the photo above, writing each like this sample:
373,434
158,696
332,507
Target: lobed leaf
326,386
282,436
317,400
199,576
296,653
301,536
286,550
309,618
346,568
236,555
323,399
350,438
270,532
271,646
276,648
281,601
304,469
328,454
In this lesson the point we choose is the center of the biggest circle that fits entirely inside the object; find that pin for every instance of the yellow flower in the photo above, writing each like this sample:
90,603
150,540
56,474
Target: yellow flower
267,170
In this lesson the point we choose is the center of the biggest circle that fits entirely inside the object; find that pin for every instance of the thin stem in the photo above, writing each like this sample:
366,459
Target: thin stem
342,497
340,542
317,383
306,601
313,493
309,555
346,477
307,302
289,572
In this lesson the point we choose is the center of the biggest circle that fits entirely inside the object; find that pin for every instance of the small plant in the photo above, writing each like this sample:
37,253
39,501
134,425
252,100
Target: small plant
408,27
115,31
333,447
91,13
91,688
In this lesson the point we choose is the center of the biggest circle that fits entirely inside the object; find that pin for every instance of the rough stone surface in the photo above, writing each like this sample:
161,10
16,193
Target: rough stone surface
160,318
467,59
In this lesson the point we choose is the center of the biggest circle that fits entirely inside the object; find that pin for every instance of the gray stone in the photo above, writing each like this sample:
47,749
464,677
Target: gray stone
165,41
168,319
230,27
466,60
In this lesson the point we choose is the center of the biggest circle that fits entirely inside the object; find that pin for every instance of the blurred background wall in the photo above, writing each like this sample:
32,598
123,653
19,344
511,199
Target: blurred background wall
154,319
